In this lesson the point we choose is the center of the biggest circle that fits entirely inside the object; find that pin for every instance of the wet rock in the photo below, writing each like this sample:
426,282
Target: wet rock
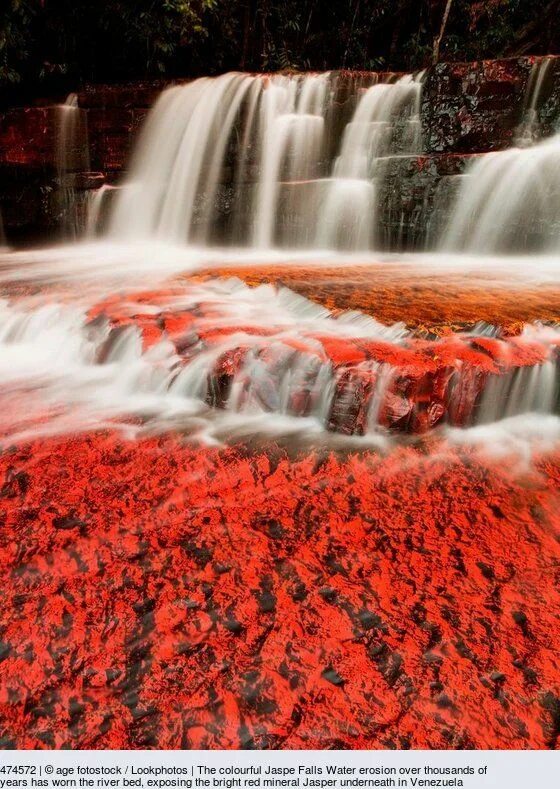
409,385
473,107
332,676
28,137
467,109
416,198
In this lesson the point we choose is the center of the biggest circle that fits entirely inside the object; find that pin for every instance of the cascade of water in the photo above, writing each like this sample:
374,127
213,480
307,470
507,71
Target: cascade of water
386,122
526,390
268,354
95,209
72,156
244,160
179,159
528,130
509,201
436,218
291,135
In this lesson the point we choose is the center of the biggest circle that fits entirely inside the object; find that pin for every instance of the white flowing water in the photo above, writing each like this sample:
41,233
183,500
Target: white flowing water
248,160
96,209
279,161
527,390
528,131
265,163
72,157
509,202
291,132
386,121
249,359
57,360
176,162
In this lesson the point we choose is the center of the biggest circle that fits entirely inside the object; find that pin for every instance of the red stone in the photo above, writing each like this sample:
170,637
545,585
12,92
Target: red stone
160,595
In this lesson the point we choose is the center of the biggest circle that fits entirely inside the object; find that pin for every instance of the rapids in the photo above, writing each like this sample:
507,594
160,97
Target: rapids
103,336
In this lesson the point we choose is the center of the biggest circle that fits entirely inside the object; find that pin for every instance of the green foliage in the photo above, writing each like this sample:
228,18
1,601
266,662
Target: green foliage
47,42
15,21
158,30
86,39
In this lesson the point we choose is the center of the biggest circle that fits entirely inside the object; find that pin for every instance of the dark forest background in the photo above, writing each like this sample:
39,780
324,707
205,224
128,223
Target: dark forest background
49,45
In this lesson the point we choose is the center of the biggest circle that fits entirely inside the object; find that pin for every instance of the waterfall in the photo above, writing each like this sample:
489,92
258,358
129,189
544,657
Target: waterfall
250,161
291,136
347,214
72,157
528,130
179,159
531,389
96,209
509,201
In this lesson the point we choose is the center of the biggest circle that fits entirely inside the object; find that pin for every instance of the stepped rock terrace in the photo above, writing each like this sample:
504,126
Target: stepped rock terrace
425,131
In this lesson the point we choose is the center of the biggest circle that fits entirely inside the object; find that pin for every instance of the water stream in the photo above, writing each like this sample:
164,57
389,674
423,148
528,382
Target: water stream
270,166
72,158
509,201
259,161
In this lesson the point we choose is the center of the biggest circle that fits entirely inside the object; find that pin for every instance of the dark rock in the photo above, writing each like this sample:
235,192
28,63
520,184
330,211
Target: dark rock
416,198
233,626
473,107
519,618
67,522
332,676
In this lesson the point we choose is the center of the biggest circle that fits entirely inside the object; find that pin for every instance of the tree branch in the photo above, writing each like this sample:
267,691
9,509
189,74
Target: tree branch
439,37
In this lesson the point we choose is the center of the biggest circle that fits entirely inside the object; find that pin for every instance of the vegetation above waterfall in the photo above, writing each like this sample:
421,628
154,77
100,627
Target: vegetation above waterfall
56,42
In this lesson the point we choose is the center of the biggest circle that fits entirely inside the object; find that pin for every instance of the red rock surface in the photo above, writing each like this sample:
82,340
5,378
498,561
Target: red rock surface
162,594
159,595
429,382
28,136
425,300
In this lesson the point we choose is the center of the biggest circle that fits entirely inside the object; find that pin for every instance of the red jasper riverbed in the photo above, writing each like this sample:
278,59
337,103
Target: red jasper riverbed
159,595
159,592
